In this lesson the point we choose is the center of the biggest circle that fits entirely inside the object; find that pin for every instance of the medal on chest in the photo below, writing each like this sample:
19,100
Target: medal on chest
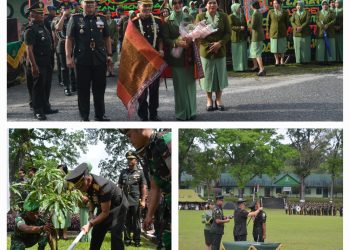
81,24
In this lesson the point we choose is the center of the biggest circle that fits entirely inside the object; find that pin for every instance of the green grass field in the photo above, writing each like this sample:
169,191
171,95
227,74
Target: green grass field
146,245
295,232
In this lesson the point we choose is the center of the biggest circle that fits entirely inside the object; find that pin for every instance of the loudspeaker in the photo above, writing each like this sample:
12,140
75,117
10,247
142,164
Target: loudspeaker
12,30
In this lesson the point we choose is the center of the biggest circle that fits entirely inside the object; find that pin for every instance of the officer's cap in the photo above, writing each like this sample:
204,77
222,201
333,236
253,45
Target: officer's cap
30,205
36,6
241,200
219,197
252,205
76,176
146,2
130,155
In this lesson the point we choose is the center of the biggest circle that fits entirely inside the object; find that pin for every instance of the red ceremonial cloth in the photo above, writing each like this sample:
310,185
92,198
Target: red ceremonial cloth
140,64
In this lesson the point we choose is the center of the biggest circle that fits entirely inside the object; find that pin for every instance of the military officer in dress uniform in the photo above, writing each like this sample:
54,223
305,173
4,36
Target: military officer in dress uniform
111,206
61,30
30,228
88,33
133,182
240,216
39,53
155,148
150,28
217,227
259,227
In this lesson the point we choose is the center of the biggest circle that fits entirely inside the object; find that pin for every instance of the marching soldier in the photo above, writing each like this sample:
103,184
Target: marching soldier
259,227
150,28
111,206
88,33
133,182
155,148
217,227
39,53
240,216
30,228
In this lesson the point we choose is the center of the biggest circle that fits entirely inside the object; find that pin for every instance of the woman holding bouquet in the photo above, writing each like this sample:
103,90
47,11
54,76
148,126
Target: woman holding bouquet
213,54
183,66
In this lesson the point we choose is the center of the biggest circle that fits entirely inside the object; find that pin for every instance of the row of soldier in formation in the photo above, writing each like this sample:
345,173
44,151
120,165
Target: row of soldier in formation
313,208
84,44
118,205
214,221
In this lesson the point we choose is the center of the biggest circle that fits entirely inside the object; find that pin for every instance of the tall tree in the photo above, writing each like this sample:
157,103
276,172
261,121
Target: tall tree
311,145
334,156
250,152
34,147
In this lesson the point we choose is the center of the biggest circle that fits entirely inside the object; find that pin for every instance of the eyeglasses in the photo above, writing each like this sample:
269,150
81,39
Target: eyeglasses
177,2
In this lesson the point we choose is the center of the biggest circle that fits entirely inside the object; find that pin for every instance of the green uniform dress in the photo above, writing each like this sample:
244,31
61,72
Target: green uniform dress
21,240
214,65
113,31
325,18
256,46
277,25
84,218
182,68
302,39
157,158
339,34
238,40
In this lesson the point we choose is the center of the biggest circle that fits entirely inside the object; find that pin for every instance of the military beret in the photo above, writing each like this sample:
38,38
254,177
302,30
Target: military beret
77,174
30,205
33,169
219,197
36,6
130,155
241,200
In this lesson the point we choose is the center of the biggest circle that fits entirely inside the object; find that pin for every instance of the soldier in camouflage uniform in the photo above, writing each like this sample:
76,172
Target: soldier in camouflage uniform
30,228
155,148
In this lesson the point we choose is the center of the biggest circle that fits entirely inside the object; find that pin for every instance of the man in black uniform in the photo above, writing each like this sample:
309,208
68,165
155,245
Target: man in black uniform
39,53
61,30
150,28
89,34
240,216
111,206
259,227
133,182
217,226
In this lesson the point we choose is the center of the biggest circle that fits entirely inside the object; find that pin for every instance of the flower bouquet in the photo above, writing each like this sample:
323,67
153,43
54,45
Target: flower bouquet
193,31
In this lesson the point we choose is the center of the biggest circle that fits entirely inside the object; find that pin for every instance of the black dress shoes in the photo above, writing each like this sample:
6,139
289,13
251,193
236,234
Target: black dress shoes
262,73
67,92
102,119
51,111
85,119
219,107
40,117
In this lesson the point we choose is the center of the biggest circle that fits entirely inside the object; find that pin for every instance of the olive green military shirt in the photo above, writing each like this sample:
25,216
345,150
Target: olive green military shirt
322,20
257,27
302,21
238,35
277,25
223,35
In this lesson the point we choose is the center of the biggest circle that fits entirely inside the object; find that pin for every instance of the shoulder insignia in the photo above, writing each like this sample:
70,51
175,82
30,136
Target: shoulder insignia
96,187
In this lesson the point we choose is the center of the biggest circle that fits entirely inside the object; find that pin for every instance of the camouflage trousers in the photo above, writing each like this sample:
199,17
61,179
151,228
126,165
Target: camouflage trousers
21,244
